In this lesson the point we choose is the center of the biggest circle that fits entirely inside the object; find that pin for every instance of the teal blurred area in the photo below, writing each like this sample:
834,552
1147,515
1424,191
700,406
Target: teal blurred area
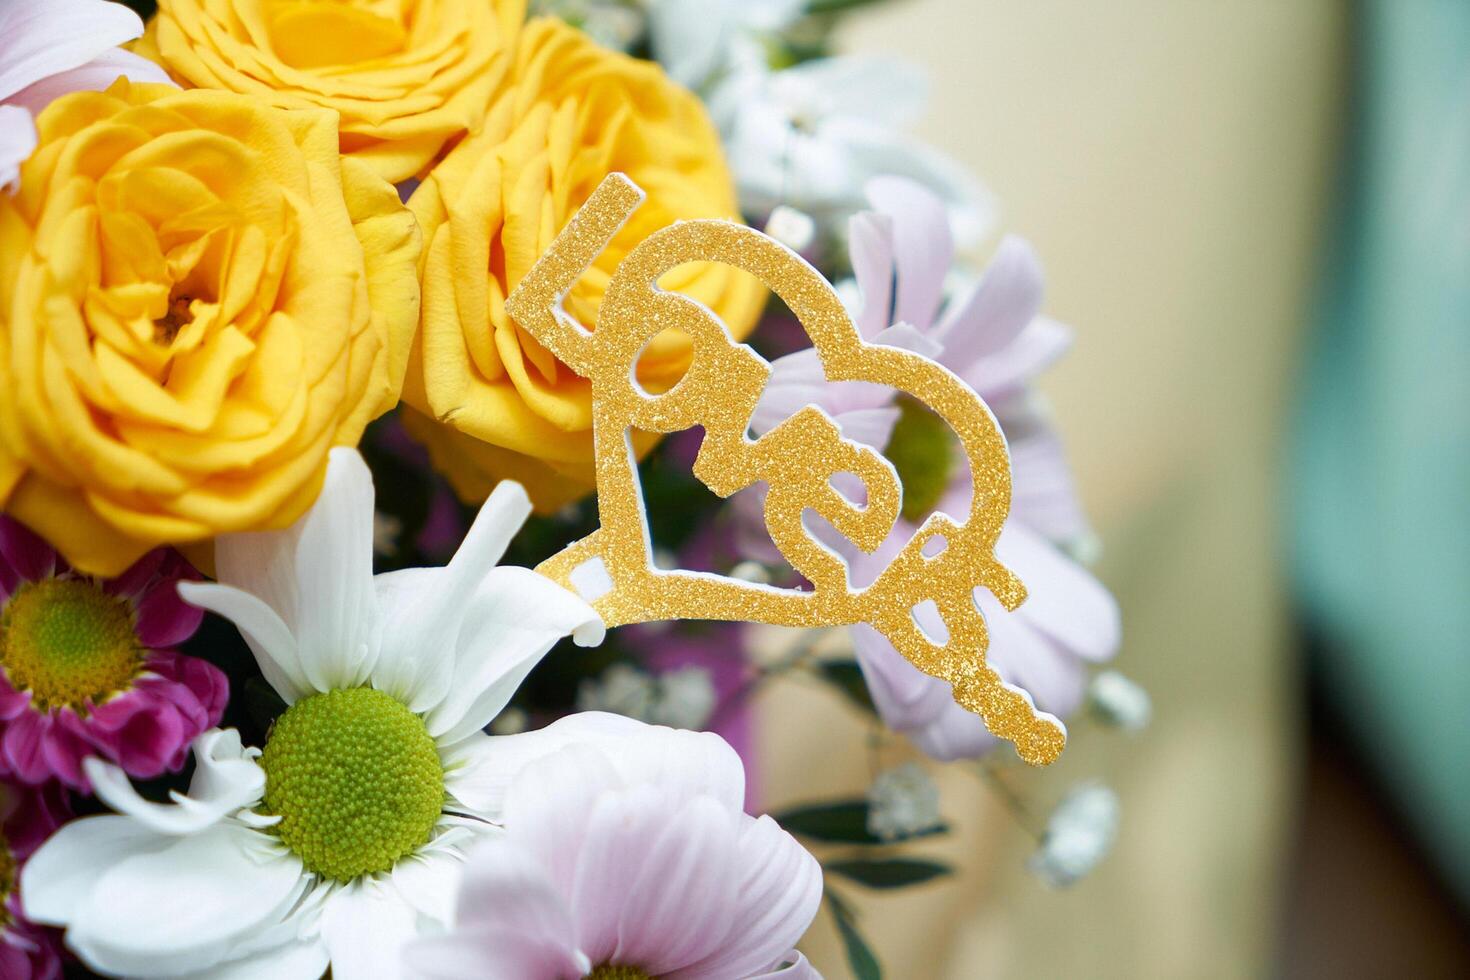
1379,468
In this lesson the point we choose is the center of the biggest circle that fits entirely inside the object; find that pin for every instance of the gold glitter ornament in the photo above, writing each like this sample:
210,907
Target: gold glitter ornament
796,459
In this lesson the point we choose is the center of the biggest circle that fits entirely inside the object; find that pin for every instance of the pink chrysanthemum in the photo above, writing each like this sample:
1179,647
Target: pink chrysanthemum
994,337
87,669
28,815
628,857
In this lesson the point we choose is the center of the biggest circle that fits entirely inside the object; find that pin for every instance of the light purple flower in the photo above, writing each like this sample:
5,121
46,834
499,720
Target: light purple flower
992,335
51,47
630,856
87,666
28,815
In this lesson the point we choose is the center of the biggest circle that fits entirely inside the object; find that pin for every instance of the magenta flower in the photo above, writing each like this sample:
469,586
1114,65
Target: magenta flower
87,669
630,856
28,815
992,335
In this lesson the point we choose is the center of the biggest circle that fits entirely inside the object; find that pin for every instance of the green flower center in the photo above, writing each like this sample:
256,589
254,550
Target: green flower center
610,971
68,643
355,779
7,879
922,450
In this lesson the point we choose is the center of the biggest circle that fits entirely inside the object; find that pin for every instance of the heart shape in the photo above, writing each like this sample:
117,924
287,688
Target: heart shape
612,568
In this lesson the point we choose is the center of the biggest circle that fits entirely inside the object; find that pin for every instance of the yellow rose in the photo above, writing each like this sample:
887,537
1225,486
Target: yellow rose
496,403
406,76
198,298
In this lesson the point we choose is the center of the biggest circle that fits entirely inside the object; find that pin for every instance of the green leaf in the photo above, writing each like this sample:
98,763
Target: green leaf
841,822
891,872
860,955
836,6
847,677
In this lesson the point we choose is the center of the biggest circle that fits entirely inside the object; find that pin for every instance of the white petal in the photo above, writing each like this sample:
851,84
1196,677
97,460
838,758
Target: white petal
615,830
792,966
491,953
1007,371
922,246
318,575
870,150
993,314
909,337
17,141
417,652
1063,599
1045,495
885,91
683,763
296,960
187,907
42,39
679,906
504,888
226,779
264,631
514,617
94,76
870,246
427,880
779,891
366,926
955,733
59,876
869,426
905,696
798,380
689,38
417,648
478,771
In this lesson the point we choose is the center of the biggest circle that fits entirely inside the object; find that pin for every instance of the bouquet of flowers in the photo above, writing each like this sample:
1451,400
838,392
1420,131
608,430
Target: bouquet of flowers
280,691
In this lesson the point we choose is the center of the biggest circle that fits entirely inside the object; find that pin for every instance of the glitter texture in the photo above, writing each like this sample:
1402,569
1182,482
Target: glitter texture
796,459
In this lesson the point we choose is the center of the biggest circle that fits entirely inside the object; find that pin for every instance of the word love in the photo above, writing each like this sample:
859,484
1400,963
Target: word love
612,568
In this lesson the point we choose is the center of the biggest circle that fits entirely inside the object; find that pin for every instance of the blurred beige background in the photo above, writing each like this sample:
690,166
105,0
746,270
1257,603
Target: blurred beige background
1171,160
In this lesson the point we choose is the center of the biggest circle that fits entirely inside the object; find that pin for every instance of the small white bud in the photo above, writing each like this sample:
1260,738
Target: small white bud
1119,701
686,698
792,228
622,690
1079,834
1085,549
902,802
511,721
752,571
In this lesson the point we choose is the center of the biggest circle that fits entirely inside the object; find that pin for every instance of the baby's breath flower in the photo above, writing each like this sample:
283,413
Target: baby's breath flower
1079,835
902,802
793,228
686,698
1119,701
681,698
622,689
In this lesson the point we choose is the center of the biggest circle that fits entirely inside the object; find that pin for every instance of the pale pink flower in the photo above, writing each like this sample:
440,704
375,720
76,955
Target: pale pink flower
992,335
28,815
51,47
630,856
88,669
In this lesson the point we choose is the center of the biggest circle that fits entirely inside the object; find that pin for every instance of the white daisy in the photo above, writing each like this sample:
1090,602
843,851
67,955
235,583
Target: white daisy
341,839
